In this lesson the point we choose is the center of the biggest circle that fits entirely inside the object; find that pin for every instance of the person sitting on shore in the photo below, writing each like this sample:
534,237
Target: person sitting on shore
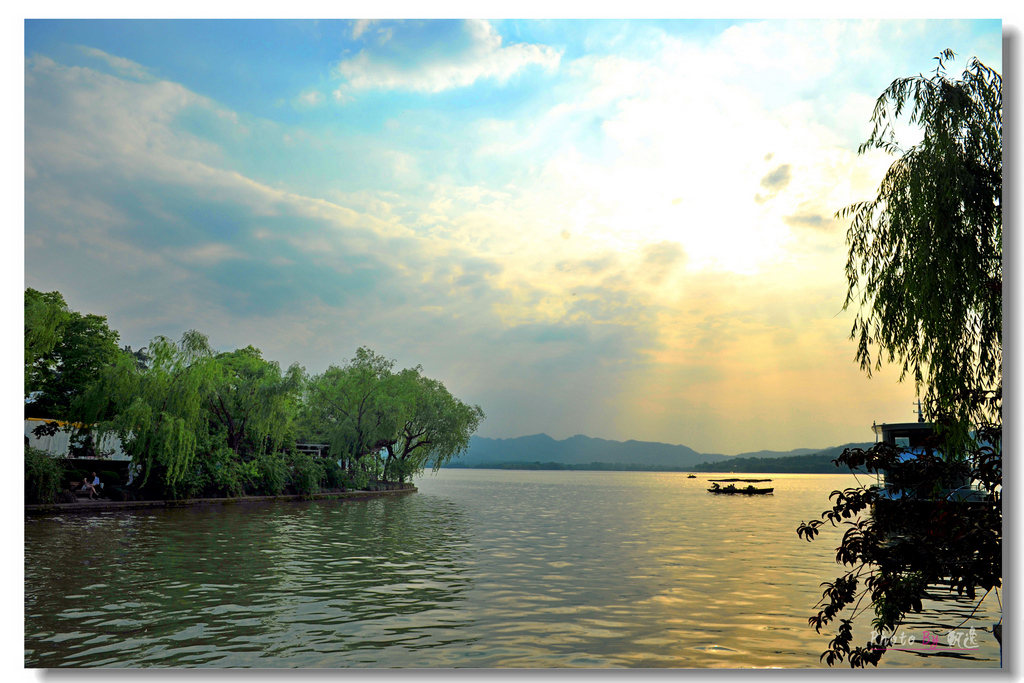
90,486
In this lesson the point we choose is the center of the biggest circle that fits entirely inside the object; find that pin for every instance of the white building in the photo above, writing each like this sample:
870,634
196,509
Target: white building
109,445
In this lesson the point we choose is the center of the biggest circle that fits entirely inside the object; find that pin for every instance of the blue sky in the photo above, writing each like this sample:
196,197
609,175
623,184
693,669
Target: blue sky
619,228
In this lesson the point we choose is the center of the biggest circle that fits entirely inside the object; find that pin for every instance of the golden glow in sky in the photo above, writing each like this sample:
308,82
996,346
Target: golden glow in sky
617,228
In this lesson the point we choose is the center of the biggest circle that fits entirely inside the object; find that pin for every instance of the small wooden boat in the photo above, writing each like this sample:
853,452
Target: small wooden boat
731,488
691,476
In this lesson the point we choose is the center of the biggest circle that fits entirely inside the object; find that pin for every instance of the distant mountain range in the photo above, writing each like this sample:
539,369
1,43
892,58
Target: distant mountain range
581,450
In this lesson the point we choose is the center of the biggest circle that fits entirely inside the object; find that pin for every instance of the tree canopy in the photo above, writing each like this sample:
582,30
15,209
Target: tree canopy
365,408
433,426
158,413
925,258
251,401
925,268
46,314
353,406
85,347
195,420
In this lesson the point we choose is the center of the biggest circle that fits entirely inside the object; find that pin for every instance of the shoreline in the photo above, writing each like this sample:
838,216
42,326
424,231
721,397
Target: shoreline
103,505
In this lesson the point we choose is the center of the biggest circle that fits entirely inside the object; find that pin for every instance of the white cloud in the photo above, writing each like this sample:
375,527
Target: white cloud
624,230
124,67
360,25
484,57
308,99
211,254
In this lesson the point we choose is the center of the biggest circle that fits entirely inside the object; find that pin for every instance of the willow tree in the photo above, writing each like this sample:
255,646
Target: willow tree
352,406
434,426
364,408
925,270
925,258
159,413
251,403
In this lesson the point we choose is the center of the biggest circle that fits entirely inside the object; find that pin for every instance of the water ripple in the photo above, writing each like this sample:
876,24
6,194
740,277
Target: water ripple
479,569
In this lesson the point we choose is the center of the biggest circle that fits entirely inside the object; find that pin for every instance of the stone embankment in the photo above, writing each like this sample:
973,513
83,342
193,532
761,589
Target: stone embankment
103,505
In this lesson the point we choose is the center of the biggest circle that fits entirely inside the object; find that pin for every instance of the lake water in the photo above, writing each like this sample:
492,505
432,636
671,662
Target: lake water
480,568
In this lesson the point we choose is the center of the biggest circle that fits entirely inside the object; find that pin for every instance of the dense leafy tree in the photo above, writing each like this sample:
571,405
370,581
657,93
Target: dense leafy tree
160,413
64,350
352,406
46,314
84,347
434,426
199,422
925,259
365,408
925,267
251,402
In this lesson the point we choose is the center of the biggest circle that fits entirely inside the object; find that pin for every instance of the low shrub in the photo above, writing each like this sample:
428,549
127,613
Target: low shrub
67,496
192,484
306,474
228,476
359,478
271,473
334,477
44,476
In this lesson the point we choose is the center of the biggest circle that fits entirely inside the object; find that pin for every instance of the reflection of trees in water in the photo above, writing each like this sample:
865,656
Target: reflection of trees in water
225,585
88,581
366,575
945,611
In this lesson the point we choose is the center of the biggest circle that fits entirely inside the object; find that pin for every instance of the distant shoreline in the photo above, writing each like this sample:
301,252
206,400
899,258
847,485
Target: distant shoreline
594,466
795,465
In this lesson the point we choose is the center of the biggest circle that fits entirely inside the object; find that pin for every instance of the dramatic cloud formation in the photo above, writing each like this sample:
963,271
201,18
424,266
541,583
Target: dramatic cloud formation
617,228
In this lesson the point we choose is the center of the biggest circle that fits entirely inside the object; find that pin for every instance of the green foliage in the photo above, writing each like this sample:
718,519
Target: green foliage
159,413
141,357
925,260
352,406
194,482
306,474
44,476
227,474
196,422
46,314
252,401
332,475
359,479
925,267
365,407
434,426
271,473
84,347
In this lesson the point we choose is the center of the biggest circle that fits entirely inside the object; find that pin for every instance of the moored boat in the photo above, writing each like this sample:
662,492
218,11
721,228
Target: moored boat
747,491
915,440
